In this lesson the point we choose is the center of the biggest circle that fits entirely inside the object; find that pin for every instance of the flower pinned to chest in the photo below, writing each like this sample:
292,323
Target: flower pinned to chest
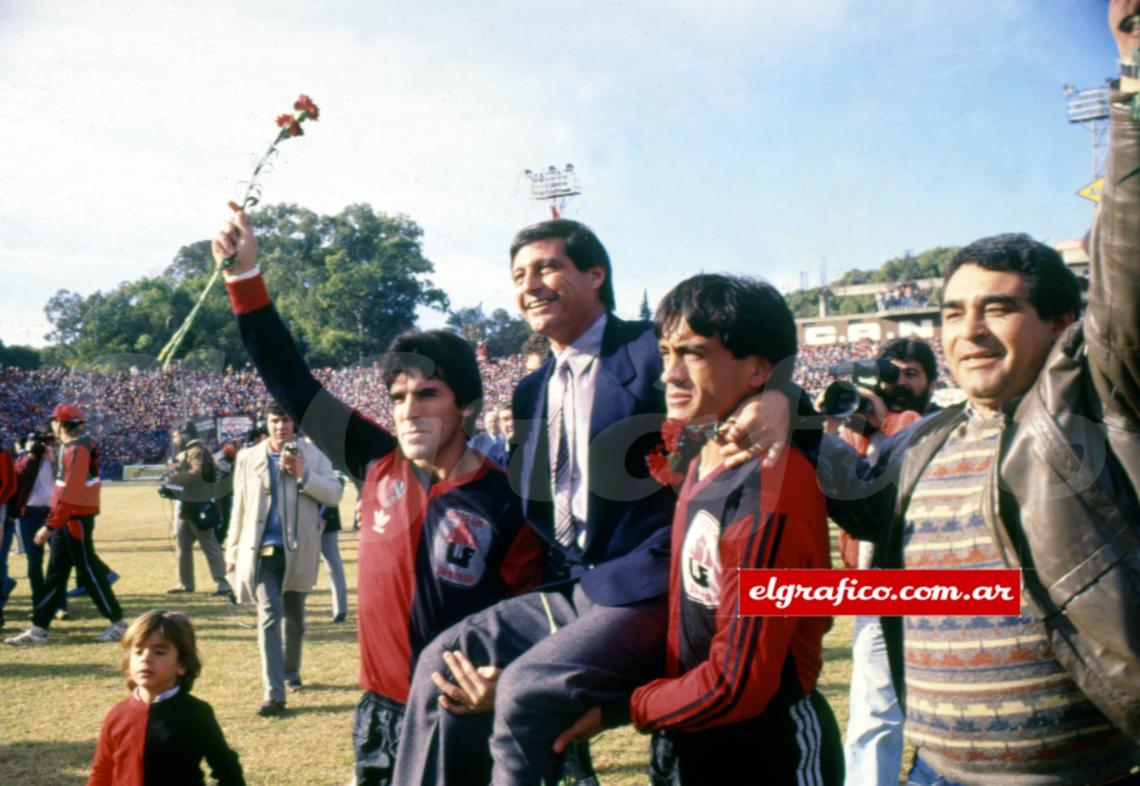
681,441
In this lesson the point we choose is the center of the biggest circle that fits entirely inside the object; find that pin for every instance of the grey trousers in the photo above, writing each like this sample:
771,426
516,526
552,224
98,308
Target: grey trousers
330,551
186,532
280,655
598,654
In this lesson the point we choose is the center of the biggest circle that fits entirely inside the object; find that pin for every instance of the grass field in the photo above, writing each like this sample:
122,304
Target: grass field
53,697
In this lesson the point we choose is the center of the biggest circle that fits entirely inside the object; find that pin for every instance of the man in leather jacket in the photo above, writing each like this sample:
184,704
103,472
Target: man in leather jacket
1038,471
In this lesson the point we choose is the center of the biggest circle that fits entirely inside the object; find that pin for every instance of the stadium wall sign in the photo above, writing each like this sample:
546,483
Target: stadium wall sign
926,324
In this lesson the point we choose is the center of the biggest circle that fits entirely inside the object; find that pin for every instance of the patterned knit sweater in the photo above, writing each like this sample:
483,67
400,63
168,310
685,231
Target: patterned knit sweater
987,702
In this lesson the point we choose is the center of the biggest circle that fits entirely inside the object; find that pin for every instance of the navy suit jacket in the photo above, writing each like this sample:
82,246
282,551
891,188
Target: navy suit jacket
626,558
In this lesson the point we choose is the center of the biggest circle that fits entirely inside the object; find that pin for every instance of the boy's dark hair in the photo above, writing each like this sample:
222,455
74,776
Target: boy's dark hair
582,246
1053,289
175,627
750,317
913,349
442,355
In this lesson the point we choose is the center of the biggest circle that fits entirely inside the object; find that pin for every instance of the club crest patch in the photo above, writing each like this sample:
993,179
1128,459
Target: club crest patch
460,548
389,490
700,560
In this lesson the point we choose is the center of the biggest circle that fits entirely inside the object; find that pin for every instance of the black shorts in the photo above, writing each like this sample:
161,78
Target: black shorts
375,735
792,743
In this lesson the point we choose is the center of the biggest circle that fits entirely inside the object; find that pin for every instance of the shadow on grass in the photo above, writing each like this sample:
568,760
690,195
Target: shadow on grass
319,687
37,670
46,763
324,709
833,654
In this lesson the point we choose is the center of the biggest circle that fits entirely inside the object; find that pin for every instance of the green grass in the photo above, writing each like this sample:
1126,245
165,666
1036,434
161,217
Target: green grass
53,697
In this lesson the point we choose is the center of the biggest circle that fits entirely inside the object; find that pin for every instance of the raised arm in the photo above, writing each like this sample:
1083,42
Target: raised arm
350,440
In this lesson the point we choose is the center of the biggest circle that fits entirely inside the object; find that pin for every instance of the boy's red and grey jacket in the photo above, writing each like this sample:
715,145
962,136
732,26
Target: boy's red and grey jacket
76,485
722,667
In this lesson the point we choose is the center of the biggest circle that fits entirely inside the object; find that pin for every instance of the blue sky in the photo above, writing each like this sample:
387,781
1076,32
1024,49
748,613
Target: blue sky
755,137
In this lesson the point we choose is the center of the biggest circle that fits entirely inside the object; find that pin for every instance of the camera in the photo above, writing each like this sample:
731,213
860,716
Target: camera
842,398
36,441
292,448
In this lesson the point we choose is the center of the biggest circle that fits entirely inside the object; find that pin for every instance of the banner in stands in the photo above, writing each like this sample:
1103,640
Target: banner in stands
234,427
143,472
925,324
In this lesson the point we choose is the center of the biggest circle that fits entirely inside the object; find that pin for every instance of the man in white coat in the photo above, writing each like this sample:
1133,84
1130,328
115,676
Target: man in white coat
274,544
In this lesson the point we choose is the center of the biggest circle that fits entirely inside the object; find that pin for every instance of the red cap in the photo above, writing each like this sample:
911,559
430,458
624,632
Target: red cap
67,413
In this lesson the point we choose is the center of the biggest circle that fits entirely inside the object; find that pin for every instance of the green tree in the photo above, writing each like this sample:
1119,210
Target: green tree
19,357
345,285
505,334
644,312
470,322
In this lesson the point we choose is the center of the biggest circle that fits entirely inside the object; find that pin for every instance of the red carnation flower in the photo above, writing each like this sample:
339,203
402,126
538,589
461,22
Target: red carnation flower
671,431
306,105
284,120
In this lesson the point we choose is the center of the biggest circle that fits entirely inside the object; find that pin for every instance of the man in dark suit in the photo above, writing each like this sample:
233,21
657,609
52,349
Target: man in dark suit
584,424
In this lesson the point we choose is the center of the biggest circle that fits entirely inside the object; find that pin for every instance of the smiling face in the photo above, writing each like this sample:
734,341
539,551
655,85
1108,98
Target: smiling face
994,339
703,380
556,298
429,424
155,666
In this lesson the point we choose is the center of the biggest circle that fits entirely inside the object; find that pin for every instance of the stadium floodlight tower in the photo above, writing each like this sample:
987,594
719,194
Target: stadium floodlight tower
1089,108
555,186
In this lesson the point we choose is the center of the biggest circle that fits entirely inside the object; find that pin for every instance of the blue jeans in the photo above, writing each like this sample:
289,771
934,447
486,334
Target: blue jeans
922,774
873,747
34,518
5,544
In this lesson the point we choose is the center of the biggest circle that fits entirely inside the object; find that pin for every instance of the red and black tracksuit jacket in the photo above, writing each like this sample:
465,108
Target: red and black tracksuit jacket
430,553
163,744
735,698
76,492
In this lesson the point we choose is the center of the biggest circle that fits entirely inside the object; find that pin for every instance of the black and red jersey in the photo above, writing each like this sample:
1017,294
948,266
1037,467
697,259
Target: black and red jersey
723,668
430,553
163,744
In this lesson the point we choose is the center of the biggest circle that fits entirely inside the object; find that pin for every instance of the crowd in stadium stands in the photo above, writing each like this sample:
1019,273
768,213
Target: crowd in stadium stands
131,412
905,296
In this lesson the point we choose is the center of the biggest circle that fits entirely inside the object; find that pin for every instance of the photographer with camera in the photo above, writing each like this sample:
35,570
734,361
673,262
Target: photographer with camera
274,546
192,483
7,492
70,526
883,396
32,503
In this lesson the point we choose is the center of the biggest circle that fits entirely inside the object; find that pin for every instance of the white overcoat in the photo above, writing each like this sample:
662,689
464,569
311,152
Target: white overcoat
300,516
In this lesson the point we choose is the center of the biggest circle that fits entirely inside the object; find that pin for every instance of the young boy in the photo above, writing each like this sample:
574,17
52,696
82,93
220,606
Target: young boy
441,533
738,703
160,733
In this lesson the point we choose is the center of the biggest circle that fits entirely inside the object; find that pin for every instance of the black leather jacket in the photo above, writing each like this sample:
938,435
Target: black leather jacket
1061,502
